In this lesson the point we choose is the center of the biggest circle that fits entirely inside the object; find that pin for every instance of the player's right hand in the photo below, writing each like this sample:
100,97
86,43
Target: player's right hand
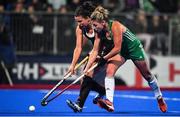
71,70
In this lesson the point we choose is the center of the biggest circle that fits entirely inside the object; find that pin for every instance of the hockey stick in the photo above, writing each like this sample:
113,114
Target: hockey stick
7,73
47,101
44,102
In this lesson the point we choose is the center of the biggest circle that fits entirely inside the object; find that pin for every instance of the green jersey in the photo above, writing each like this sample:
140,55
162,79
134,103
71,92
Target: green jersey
131,47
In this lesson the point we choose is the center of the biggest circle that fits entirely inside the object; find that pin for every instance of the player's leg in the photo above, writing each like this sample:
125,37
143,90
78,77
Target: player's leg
100,90
84,92
113,64
152,81
86,87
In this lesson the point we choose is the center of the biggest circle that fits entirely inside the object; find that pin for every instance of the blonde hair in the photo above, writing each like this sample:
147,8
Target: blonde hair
100,14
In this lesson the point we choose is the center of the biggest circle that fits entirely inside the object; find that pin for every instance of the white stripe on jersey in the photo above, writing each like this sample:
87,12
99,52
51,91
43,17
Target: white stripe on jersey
130,36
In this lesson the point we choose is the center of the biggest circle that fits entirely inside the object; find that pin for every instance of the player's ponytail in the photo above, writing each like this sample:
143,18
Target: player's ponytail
100,14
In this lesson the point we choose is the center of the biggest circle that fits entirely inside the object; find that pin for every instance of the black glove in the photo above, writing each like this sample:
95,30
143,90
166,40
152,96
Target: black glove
102,61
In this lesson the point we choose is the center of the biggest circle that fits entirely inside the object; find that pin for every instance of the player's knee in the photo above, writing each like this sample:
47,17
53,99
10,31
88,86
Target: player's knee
110,73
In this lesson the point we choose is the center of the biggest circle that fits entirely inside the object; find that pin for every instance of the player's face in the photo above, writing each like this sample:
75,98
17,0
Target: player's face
98,26
82,21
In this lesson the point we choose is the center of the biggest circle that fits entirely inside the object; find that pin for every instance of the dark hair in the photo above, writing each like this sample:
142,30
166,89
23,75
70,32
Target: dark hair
85,9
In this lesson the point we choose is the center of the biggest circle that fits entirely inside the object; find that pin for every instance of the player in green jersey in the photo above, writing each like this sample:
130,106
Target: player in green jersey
128,46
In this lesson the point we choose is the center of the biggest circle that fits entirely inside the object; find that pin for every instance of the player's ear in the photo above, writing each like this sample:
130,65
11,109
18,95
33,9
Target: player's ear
104,22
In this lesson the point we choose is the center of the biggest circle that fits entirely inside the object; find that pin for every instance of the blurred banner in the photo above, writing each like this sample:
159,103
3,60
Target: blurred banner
166,69
48,70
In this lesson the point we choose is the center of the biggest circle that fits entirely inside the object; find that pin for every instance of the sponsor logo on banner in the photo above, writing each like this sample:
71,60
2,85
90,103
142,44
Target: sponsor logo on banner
41,71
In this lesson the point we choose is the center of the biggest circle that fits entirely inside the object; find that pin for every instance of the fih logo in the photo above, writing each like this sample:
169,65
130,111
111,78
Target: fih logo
40,71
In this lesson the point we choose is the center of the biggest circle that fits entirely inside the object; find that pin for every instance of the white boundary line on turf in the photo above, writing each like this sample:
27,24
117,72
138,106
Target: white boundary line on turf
146,97
86,116
118,95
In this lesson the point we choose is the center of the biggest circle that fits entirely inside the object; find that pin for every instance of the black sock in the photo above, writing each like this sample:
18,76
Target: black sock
86,87
98,88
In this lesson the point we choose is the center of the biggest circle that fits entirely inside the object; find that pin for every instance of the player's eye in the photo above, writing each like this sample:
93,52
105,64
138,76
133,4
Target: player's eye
94,25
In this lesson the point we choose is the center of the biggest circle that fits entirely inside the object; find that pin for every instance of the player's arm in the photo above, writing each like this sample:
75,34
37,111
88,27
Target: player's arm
94,53
77,50
117,31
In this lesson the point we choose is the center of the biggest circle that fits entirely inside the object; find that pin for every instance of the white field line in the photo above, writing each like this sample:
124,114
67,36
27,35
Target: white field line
118,95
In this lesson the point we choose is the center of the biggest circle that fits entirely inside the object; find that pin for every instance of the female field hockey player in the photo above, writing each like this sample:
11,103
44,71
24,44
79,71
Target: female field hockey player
85,31
127,45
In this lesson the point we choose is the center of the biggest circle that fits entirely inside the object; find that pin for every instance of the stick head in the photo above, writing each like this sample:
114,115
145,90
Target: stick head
44,103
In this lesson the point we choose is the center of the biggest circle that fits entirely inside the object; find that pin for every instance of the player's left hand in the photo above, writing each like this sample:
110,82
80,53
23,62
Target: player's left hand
85,71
